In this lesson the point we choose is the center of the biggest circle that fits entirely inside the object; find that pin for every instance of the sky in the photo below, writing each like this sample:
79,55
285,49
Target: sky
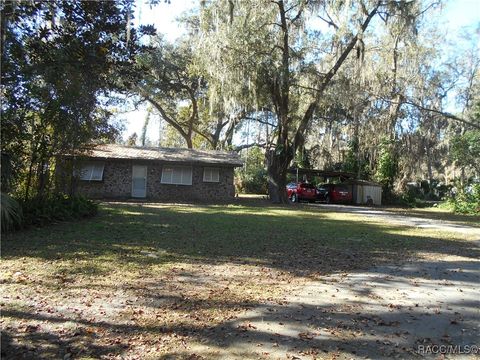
454,15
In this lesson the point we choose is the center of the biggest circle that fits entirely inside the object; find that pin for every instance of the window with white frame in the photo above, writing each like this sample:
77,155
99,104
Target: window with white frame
177,175
211,174
92,171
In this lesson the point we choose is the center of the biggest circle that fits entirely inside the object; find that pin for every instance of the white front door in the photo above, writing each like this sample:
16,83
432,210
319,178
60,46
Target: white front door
139,181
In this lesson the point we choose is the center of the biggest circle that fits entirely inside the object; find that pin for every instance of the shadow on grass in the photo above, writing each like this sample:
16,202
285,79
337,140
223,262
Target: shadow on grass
300,241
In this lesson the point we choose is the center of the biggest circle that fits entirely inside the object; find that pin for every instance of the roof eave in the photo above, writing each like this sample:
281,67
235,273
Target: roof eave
192,162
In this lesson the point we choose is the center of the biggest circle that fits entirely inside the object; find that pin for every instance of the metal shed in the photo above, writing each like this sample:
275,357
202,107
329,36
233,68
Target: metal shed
366,192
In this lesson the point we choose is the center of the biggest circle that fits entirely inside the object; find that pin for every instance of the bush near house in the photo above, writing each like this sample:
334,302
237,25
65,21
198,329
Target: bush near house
58,207
36,212
252,182
252,178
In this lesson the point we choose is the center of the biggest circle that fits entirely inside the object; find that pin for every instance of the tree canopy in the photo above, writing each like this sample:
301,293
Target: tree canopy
361,86
59,61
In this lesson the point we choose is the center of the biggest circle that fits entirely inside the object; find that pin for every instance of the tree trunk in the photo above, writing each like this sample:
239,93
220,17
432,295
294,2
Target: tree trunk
277,177
29,180
189,142
277,162
42,176
429,164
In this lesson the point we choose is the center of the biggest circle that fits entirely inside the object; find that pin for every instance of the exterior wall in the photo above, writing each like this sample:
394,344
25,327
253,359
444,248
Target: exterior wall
374,193
117,183
361,194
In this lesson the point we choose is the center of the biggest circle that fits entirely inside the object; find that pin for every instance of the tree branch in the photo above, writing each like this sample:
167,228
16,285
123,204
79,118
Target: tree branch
164,114
299,135
439,112
329,22
260,121
246,146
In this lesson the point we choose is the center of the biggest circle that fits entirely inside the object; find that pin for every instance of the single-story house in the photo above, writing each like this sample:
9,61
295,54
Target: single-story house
117,171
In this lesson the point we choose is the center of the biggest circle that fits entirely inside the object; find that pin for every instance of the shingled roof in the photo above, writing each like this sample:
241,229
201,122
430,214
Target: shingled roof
113,151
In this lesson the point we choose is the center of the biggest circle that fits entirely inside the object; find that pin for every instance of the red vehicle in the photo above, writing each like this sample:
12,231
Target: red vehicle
301,191
334,193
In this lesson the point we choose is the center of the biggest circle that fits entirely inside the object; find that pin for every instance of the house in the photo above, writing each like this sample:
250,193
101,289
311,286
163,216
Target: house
116,171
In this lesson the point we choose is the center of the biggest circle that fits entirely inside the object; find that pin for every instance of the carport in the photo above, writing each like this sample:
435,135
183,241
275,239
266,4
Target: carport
306,173
364,192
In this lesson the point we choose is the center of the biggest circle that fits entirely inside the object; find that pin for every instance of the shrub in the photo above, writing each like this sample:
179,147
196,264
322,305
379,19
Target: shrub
410,199
466,201
12,214
387,168
254,181
57,207
252,178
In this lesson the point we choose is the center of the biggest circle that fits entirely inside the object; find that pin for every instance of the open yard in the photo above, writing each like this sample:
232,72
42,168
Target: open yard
178,281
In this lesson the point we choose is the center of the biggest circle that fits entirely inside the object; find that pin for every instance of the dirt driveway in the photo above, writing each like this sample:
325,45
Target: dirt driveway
417,309
402,219
427,307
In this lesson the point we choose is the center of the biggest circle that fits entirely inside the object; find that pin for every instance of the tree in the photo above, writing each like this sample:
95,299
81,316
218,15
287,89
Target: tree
398,91
387,167
466,150
178,91
167,84
252,176
57,59
258,54
143,136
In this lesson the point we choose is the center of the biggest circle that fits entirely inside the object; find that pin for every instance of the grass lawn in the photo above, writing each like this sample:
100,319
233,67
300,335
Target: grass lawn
150,280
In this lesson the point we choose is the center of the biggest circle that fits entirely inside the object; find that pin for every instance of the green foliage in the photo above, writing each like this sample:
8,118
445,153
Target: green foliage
59,59
57,208
168,83
387,166
412,198
12,215
252,179
465,149
351,163
303,158
132,139
467,201
6,173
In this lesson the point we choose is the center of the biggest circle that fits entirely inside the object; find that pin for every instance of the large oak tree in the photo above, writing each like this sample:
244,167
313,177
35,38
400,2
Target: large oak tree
260,54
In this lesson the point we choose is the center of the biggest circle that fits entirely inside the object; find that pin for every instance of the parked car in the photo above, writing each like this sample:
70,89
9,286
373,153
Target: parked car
301,191
334,193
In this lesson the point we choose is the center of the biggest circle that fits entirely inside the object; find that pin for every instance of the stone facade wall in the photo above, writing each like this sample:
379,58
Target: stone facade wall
117,183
